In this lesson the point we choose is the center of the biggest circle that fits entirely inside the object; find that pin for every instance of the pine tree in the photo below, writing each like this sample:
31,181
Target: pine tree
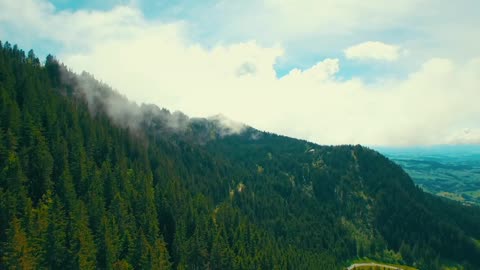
82,246
17,251
40,166
53,238
160,256
109,243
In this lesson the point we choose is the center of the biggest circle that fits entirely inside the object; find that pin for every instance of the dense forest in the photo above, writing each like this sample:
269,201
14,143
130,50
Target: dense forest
89,180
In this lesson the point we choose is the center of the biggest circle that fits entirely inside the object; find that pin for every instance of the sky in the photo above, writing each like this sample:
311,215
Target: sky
377,72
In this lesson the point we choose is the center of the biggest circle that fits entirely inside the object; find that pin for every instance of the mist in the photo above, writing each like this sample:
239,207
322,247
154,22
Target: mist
101,98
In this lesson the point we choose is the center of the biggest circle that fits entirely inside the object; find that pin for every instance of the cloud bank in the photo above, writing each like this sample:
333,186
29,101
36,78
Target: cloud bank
373,50
156,62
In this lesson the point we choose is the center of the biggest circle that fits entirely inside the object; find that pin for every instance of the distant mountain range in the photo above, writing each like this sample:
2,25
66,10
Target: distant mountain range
450,151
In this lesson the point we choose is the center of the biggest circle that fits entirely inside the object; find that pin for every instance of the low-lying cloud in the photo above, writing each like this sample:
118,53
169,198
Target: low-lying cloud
125,113
374,50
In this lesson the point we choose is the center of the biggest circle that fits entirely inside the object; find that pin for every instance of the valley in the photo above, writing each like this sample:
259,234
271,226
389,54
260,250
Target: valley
448,171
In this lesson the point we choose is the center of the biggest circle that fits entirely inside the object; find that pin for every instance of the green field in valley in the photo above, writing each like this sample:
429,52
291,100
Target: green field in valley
449,171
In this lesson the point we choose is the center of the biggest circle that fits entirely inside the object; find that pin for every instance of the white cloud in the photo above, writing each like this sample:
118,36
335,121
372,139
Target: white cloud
80,30
156,63
321,71
465,136
313,104
339,16
373,50
312,28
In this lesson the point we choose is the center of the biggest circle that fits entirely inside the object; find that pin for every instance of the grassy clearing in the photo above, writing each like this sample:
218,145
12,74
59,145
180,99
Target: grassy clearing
379,267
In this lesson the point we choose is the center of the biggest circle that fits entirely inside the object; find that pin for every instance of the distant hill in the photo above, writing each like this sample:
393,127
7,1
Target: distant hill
90,180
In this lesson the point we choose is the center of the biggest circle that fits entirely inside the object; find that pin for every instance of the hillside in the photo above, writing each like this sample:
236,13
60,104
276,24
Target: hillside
89,180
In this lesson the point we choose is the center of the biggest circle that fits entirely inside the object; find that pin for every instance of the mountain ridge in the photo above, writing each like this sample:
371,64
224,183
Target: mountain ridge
147,189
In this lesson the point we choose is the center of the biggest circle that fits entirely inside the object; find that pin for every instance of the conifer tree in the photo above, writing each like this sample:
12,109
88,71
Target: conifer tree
17,253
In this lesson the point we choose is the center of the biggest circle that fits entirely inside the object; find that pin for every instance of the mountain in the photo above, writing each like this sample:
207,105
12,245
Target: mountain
90,180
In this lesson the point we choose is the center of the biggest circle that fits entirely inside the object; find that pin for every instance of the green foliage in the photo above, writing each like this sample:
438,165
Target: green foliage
17,252
80,189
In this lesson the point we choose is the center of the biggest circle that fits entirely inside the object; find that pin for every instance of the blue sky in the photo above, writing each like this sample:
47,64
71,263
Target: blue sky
85,4
348,71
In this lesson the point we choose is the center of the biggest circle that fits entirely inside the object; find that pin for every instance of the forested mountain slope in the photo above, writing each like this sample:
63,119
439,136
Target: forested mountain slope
89,180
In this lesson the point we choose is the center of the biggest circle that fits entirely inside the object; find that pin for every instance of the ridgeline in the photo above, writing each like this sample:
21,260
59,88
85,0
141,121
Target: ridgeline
87,183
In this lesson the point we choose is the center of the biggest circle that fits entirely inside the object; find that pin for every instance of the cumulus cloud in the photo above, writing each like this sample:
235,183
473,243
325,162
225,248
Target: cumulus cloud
323,70
313,103
246,68
308,16
38,19
154,62
465,136
373,50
